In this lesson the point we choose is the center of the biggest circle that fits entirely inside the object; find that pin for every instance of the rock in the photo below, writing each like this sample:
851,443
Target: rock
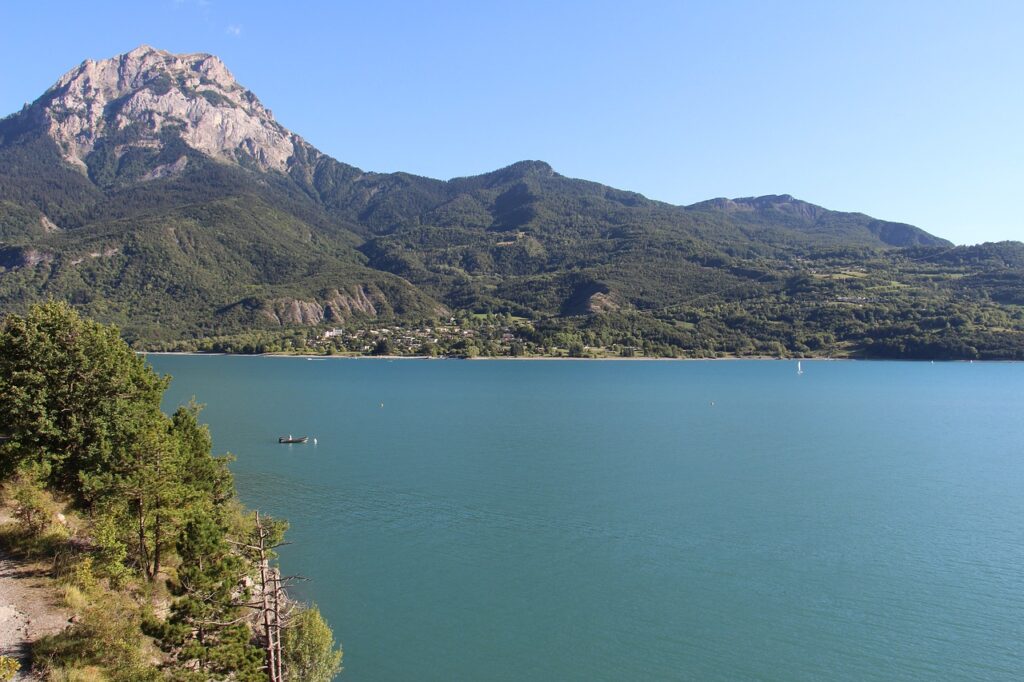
335,305
12,257
105,253
141,95
290,311
167,169
340,305
47,224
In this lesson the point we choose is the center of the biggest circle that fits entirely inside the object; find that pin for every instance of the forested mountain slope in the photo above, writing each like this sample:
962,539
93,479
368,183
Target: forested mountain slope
154,191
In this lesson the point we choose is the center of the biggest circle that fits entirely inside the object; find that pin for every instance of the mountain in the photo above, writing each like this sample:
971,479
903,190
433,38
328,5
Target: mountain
153,190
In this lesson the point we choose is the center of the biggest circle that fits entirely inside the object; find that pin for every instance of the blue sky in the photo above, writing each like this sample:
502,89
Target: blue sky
908,111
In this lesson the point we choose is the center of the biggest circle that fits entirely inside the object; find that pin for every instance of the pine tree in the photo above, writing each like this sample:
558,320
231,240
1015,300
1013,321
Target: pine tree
207,627
73,395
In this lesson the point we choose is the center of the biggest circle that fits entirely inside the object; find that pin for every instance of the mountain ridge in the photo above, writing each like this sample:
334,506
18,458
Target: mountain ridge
122,157
100,99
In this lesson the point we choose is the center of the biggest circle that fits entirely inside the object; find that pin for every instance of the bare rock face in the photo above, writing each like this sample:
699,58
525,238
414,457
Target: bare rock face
136,99
48,225
340,305
13,257
106,252
335,305
167,169
290,311
602,302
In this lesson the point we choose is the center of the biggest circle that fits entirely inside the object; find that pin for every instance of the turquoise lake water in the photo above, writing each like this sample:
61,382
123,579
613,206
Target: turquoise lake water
723,520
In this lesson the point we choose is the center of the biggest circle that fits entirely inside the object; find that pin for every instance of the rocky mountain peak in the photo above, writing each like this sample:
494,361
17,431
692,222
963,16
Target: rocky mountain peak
140,99
133,70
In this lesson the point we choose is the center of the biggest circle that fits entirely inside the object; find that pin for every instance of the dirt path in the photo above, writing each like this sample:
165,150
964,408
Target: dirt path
29,606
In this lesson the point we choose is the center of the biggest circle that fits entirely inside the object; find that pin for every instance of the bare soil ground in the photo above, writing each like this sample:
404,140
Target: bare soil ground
30,606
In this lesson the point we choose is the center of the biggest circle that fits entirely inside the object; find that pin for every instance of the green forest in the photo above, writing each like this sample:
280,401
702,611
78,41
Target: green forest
167,575
231,258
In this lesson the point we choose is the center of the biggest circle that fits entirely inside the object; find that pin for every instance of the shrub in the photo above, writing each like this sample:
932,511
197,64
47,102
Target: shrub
310,652
107,636
34,507
9,667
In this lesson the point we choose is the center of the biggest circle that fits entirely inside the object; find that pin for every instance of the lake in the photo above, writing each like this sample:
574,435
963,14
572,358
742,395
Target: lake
639,520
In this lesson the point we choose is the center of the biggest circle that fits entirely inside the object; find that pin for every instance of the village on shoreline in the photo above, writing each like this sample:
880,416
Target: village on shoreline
485,337
474,337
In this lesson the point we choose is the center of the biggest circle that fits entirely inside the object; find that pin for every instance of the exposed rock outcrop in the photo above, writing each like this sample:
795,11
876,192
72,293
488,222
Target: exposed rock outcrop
104,253
13,257
291,311
339,305
334,306
602,302
139,97
167,169
591,297
47,224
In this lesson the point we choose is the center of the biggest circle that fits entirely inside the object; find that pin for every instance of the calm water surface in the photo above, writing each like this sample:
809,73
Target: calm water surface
640,520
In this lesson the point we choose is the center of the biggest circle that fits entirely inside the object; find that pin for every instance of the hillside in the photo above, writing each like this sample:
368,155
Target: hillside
133,527
154,191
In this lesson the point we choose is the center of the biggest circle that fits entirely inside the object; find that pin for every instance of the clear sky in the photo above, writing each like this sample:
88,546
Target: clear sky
908,111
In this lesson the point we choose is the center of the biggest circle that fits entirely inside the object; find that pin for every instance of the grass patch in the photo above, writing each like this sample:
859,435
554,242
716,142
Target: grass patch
107,637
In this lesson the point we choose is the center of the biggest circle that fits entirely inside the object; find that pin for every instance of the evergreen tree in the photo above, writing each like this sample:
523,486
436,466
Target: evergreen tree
80,413
206,479
207,627
73,395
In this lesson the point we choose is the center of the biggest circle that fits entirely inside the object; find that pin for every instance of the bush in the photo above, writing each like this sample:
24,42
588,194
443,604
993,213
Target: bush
310,652
34,507
9,667
107,636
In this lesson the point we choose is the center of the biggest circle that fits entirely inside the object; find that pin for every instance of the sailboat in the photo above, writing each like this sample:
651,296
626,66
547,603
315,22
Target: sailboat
799,368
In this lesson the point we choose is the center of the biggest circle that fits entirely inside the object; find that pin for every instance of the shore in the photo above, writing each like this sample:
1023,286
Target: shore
340,356
548,358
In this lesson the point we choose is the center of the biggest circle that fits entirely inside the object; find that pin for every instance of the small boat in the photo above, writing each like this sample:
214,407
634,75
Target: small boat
289,439
799,369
